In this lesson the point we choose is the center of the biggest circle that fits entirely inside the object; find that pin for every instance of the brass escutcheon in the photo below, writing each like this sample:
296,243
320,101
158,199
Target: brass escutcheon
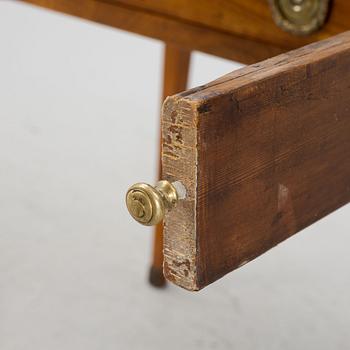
300,17
148,204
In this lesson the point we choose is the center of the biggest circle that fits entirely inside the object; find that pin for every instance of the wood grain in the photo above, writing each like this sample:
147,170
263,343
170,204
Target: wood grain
249,18
179,159
175,76
263,152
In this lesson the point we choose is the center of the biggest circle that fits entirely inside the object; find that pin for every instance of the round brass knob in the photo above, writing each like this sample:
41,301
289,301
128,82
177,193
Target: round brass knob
300,17
148,204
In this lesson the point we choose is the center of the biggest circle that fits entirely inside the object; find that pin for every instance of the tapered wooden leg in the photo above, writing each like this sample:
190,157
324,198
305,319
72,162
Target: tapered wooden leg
175,76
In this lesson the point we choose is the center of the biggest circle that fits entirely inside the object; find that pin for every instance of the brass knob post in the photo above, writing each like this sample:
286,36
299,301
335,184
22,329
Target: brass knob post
148,204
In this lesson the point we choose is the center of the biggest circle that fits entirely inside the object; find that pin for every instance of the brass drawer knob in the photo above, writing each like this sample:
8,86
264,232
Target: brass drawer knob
300,17
148,204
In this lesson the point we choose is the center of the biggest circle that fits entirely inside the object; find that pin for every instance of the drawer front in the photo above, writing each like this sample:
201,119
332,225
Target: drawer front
243,31
249,18
263,152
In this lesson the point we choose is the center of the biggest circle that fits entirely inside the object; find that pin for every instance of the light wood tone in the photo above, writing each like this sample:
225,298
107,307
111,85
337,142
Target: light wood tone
175,76
263,152
248,18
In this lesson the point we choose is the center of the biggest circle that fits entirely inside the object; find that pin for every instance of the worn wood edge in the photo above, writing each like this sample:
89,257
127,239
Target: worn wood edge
179,163
249,75
143,22
243,81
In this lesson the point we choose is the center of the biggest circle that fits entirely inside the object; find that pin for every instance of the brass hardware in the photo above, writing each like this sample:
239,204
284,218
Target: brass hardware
300,17
148,204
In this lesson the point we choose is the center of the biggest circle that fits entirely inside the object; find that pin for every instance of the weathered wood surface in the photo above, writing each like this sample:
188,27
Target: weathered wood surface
263,152
239,30
175,76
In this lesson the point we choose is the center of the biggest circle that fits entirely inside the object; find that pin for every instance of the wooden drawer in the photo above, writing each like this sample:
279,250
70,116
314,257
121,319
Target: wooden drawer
263,152
249,18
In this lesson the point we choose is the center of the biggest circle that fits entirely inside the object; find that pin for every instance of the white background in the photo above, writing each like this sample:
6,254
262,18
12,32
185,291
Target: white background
78,125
